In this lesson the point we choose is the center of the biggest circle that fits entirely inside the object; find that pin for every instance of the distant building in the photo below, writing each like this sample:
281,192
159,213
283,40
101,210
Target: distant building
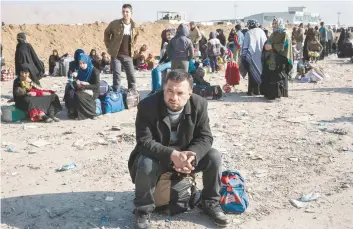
220,22
294,16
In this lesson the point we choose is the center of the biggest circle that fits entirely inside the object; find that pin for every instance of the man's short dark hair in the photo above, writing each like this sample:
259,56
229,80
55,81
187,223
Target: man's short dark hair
127,6
179,76
238,27
322,23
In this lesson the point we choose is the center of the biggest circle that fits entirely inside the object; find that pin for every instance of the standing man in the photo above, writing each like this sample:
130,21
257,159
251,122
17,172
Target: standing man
323,40
120,38
195,36
330,37
299,37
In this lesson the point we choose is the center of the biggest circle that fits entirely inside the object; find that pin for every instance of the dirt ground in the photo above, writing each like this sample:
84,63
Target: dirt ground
277,146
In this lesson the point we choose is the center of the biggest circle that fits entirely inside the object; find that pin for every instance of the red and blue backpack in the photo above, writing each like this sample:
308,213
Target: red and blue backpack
233,195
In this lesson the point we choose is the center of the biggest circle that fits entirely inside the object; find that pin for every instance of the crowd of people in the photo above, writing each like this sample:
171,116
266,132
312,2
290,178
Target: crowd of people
172,125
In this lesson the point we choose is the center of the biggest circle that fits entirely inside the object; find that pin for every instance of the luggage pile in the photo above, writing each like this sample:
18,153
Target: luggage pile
203,88
112,102
7,75
62,67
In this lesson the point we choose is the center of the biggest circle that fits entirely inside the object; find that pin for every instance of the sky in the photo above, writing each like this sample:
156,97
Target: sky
72,12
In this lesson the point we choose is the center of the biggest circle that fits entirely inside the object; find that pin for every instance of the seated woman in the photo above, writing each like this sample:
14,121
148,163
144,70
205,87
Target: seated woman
150,61
54,59
163,65
81,95
277,62
41,105
141,63
314,49
105,63
95,58
74,65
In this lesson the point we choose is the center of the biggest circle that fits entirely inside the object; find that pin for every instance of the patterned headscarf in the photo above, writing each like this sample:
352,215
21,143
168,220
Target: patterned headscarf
281,25
25,82
252,24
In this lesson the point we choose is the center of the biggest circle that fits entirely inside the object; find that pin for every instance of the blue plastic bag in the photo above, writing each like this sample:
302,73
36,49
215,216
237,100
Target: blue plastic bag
98,107
233,195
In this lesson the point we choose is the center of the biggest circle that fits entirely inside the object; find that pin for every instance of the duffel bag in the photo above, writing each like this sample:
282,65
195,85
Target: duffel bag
208,92
113,102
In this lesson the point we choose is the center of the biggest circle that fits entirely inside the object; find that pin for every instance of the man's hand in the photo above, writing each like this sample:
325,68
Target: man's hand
183,161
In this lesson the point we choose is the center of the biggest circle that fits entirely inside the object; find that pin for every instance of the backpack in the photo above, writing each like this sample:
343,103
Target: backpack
232,73
233,195
208,92
175,193
103,88
113,102
191,66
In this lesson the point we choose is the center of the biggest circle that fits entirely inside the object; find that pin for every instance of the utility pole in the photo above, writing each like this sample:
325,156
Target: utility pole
338,21
235,13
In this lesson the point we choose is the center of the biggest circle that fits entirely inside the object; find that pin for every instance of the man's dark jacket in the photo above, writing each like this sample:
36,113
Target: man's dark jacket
153,129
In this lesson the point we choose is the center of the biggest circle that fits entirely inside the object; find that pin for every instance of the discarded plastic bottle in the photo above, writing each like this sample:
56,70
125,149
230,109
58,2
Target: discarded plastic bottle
104,220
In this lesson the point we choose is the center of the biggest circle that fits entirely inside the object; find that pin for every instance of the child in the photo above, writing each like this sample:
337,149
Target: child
141,59
214,51
150,61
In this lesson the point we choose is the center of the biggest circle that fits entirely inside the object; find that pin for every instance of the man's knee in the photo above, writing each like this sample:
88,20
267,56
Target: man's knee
147,166
214,156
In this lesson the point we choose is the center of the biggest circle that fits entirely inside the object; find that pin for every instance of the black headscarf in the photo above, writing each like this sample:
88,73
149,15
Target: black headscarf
25,68
25,54
21,36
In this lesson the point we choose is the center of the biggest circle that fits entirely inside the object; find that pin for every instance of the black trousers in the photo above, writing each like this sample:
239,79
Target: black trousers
147,171
253,86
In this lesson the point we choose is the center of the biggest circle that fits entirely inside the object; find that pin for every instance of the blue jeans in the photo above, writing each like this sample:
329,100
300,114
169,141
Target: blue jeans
157,75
